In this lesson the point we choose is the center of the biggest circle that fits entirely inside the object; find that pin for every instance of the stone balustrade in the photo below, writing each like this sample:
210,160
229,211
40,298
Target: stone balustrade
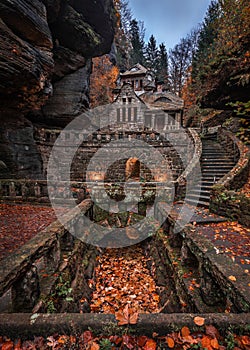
225,200
192,171
186,251
32,270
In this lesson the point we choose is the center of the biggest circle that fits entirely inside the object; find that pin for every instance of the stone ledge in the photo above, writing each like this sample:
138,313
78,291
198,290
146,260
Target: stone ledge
28,325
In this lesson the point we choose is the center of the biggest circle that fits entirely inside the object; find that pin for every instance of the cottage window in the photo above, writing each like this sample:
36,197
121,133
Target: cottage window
129,114
118,115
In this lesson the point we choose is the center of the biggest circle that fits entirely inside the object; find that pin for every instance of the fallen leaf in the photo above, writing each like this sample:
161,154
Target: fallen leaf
199,321
215,344
150,345
94,346
87,336
206,342
185,331
170,342
212,331
8,345
232,278
126,316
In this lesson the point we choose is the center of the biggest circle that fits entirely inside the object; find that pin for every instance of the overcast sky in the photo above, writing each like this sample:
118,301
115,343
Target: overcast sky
169,20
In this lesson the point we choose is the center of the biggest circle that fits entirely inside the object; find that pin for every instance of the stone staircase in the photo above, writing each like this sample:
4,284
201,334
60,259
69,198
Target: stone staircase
215,163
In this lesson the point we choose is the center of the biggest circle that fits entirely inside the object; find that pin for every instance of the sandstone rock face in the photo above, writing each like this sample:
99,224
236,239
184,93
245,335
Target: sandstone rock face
70,97
18,150
45,58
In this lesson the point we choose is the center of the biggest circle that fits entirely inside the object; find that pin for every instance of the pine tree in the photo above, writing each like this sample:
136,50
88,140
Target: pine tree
207,36
162,72
152,54
137,33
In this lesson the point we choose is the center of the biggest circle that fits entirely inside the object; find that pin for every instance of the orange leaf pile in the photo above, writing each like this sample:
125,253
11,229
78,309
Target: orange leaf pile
122,278
209,339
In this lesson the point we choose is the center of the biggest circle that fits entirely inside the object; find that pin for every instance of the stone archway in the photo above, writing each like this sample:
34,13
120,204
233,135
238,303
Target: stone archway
132,169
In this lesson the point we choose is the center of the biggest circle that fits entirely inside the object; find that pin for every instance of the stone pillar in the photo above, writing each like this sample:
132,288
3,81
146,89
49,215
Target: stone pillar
52,258
25,292
142,208
211,292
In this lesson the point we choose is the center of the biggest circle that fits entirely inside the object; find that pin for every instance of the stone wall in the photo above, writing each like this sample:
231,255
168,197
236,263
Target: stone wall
187,252
224,197
171,147
43,264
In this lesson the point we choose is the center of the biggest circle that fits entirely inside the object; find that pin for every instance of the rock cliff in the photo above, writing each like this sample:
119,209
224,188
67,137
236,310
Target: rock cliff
45,63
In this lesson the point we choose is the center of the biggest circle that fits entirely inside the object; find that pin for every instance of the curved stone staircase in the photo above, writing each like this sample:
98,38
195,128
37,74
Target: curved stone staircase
215,163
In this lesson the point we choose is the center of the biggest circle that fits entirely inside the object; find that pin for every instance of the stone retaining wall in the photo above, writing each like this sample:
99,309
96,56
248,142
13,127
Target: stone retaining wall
187,250
38,266
170,146
224,197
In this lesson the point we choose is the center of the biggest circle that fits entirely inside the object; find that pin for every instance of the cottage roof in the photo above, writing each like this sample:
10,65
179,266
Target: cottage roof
137,69
163,100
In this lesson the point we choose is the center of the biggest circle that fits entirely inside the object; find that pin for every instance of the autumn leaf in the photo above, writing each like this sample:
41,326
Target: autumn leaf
170,342
212,331
199,321
8,345
52,342
87,336
142,341
126,316
94,346
185,331
206,342
215,344
150,345
232,278
62,339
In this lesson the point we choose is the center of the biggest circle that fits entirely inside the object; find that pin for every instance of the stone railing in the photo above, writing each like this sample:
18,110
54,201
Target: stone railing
30,274
193,168
35,191
213,290
224,197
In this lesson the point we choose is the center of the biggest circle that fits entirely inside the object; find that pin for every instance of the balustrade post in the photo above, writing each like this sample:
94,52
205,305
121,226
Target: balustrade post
12,189
26,291
211,292
52,258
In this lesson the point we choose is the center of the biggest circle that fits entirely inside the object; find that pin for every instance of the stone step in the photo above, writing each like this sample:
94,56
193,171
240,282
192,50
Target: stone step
199,198
212,148
215,155
215,171
216,165
206,185
199,204
210,179
202,192
216,162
